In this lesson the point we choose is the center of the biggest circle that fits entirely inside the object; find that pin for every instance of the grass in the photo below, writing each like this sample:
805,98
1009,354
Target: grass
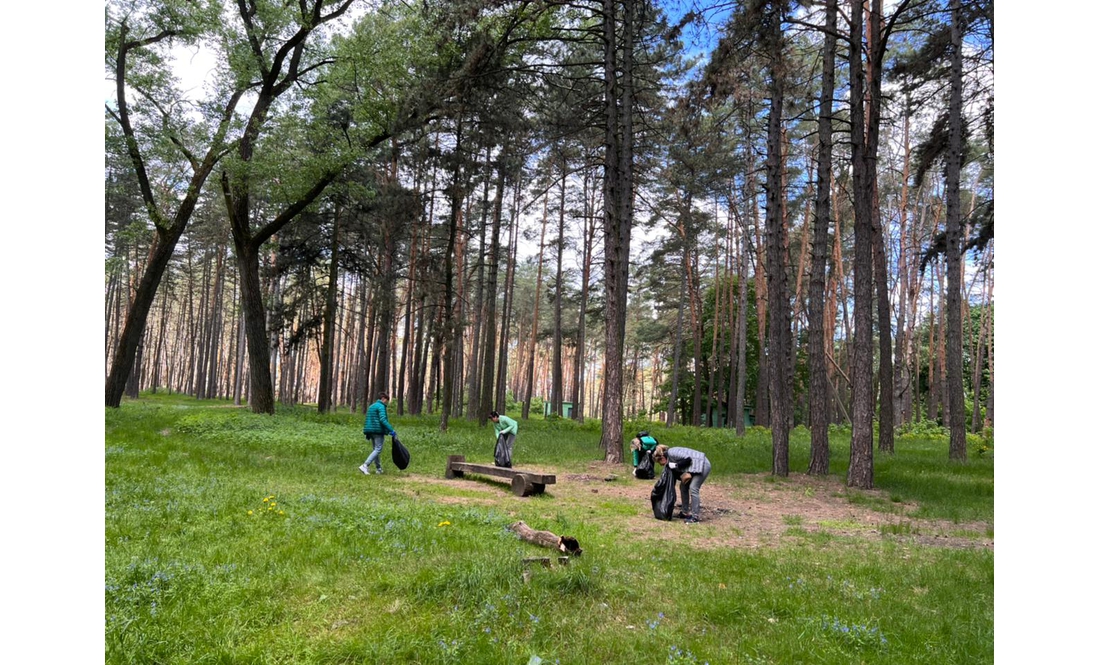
350,569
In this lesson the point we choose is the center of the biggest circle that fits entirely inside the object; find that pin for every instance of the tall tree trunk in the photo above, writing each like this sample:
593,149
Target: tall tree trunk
216,320
764,359
861,466
779,309
534,334
406,368
557,389
385,298
742,332
459,331
976,381
694,299
162,335
489,353
714,376
902,377
734,313
618,216
328,325
876,48
957,424
819,377
473,406
586,274
674,395
450,329
933,348
988,423
941,347
506,311
198,348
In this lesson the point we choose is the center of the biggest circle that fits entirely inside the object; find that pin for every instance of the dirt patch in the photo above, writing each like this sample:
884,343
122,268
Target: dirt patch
748,511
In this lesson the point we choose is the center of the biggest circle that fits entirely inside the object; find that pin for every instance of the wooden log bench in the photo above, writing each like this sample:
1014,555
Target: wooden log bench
524,483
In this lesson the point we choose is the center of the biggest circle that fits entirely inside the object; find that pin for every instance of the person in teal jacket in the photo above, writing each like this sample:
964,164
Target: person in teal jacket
504,429
375,428
643,442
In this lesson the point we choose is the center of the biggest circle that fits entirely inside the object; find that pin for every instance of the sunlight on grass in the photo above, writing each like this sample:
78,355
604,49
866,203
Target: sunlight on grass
231,537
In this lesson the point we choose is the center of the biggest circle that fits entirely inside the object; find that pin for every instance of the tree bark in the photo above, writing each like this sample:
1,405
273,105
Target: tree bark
876,43
450,326
489,353
557,387
506,311
957,424
674,394
618,216
861,469
328,325
819,377
582,312
534,335
779,309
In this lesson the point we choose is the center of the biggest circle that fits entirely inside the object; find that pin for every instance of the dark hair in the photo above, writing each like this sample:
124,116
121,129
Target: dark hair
494,414
383,396
644,432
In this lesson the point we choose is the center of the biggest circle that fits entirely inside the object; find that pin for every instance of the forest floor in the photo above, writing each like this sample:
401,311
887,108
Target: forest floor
749,511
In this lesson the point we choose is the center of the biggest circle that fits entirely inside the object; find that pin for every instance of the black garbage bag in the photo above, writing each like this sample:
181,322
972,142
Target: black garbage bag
400,454
502,454
663,496
644,470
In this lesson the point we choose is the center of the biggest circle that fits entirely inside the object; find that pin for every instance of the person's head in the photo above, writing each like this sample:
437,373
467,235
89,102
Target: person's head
660,454
383,397
494,416
644,432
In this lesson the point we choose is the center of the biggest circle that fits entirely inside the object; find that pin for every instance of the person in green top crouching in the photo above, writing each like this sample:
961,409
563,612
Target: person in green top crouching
504,429
642,442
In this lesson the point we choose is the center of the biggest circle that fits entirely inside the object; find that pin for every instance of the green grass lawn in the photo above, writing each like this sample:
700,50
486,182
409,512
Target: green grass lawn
237,538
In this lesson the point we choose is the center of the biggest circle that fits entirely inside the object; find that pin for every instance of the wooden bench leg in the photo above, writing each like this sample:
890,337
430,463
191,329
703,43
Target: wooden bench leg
450,471
520,486
537,488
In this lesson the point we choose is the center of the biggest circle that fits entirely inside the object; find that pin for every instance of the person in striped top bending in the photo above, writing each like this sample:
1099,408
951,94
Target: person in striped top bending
692,468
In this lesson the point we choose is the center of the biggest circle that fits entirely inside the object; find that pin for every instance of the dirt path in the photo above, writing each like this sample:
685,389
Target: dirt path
749,511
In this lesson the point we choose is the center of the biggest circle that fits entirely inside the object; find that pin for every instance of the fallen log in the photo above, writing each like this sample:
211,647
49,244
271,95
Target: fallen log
567,544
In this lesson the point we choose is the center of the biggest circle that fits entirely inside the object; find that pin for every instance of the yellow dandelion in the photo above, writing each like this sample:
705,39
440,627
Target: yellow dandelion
271,507
443,523
274,503
250,512
265,499
282,513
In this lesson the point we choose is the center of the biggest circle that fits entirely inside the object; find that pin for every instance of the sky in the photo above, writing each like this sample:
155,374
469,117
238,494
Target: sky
54,466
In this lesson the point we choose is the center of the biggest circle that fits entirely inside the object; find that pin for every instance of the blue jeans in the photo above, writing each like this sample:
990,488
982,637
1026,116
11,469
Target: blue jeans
692,487
377,440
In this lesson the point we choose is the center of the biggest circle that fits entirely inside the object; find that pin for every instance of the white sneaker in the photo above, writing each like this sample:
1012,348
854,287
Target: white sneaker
365,469
378,471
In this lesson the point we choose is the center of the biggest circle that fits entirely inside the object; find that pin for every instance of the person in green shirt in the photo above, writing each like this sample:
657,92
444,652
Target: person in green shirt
504,429
643,442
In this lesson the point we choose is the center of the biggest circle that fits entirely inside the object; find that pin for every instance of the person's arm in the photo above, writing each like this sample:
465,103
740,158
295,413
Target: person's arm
385,422
681,465
512,427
